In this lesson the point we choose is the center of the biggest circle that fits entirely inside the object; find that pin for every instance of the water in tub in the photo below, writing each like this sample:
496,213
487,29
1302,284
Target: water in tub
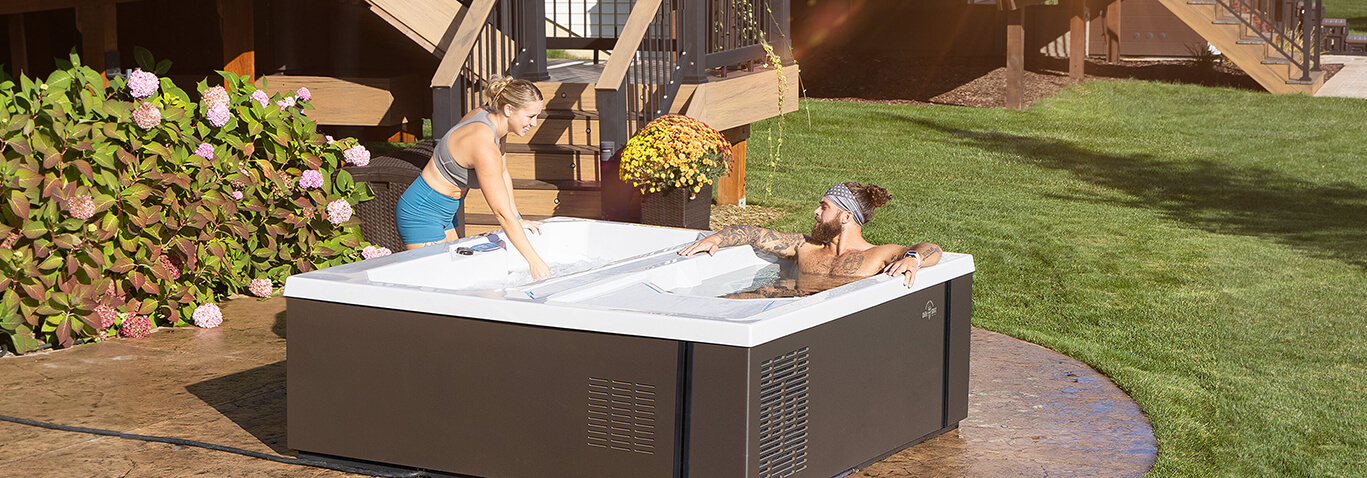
776,279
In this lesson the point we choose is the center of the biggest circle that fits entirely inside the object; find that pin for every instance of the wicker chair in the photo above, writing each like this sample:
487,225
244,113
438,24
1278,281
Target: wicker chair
388,177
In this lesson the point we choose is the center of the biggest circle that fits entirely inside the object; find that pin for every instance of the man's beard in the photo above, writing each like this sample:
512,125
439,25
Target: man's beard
825,231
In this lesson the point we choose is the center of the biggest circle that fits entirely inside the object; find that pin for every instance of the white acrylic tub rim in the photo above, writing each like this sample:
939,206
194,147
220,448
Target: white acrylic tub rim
585,300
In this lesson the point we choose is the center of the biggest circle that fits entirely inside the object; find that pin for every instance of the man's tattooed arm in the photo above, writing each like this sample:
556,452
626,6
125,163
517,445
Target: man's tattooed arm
930,253
777,243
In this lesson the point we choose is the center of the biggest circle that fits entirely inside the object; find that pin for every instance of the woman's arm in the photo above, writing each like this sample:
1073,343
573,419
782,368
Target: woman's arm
497,186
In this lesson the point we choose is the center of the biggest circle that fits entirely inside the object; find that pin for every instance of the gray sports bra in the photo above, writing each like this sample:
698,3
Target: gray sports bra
446,163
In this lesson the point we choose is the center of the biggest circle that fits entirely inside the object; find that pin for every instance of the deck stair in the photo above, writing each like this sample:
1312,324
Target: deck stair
662,53
1257,41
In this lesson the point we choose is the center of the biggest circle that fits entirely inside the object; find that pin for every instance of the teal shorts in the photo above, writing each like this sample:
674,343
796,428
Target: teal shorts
424,215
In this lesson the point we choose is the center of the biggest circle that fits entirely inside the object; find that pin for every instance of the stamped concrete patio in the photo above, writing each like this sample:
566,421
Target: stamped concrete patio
1032,412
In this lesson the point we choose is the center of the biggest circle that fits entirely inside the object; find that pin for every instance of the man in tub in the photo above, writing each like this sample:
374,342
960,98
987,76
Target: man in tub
836,247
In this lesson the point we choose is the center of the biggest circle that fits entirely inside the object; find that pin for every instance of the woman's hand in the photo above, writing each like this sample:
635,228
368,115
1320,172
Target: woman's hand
539,270
534,226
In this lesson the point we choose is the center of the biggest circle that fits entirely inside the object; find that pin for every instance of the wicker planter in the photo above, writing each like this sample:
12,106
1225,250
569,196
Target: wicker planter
673,208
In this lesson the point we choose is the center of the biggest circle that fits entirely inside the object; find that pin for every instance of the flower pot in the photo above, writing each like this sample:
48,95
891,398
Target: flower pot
673,208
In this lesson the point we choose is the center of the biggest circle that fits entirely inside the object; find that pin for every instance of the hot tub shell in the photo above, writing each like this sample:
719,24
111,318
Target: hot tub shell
540,381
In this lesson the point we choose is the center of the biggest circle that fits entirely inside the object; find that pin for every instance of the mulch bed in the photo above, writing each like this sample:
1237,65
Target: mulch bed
982,83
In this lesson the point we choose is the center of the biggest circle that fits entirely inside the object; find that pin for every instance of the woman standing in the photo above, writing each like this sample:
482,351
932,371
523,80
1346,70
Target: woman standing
471,155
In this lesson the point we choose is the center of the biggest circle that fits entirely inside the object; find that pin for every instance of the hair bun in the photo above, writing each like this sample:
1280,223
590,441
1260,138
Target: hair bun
496,85
877,195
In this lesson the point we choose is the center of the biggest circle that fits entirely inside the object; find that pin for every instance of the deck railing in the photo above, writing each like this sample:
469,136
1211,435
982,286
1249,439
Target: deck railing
494,38
1291,30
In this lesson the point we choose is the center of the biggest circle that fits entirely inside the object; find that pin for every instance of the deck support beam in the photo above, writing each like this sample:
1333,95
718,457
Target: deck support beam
1113,31
1015,58
1077,39
99,25
18,45
731,187
239,46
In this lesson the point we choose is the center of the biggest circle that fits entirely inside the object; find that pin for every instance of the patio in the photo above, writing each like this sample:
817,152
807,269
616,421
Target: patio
1032,412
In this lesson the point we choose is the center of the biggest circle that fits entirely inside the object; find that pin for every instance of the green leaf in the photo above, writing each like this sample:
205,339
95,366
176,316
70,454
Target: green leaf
144,59
18,203
163,66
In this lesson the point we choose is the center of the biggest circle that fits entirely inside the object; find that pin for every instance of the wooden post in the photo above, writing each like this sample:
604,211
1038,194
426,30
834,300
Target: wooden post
1015,58
99,37
18,45
1113,31
1077,39
239,46
731,188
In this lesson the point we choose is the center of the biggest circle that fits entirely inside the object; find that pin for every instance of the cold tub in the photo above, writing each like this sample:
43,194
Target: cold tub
624,364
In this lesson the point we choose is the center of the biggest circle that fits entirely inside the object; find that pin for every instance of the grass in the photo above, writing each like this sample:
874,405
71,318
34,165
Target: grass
1206,248
1353,10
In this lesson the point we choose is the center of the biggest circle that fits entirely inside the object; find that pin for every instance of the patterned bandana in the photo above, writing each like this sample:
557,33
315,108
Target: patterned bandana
843,197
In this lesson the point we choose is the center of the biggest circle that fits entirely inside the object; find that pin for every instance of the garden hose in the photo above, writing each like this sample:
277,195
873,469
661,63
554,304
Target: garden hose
211,446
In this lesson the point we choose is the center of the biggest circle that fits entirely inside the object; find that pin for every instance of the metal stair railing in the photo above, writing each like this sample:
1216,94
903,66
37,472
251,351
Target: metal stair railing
1291,28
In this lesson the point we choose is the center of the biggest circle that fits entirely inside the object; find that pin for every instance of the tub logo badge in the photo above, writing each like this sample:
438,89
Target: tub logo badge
930,311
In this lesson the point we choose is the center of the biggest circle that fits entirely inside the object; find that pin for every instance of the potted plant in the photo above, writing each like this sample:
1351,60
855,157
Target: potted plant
674,161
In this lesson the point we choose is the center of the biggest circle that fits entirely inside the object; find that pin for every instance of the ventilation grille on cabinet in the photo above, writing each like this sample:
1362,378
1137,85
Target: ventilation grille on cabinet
783,415
621,415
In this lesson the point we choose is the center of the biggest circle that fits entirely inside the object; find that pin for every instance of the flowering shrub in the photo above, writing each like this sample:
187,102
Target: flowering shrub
132,206
675,151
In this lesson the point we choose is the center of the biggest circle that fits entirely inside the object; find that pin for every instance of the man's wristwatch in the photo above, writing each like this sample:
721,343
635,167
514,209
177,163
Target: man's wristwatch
913,253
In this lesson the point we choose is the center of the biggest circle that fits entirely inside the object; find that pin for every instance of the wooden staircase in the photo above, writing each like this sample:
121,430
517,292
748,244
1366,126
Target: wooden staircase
1251,53
555,169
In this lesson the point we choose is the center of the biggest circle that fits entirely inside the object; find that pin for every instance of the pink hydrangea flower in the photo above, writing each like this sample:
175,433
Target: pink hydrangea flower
357,155
205,151
147,116
261,287
142,84
136,327
216,96
303,94
286,103
311,179
237,195
81,207
9,241
339,211
329,138
170,266
106,315
207,316
371,252
218,115
260,97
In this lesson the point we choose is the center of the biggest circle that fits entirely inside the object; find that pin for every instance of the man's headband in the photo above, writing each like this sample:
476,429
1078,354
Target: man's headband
843,197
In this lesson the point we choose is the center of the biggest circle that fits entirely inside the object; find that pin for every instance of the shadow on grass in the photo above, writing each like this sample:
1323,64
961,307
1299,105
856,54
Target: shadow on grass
1328,221
254,399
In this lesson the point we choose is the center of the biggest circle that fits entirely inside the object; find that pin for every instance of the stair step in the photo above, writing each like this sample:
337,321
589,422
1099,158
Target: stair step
1276,61
576,96
555,185
578,130
1200,2
553,163
1226,21
544,202
1251,42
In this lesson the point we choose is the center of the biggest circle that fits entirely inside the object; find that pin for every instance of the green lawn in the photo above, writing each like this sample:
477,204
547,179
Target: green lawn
1354,10
1205,248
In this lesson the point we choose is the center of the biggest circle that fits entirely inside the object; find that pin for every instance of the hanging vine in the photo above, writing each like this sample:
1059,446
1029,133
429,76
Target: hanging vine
774,61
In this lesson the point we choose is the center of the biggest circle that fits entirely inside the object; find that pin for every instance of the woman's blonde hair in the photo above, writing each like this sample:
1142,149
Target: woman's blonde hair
509,91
